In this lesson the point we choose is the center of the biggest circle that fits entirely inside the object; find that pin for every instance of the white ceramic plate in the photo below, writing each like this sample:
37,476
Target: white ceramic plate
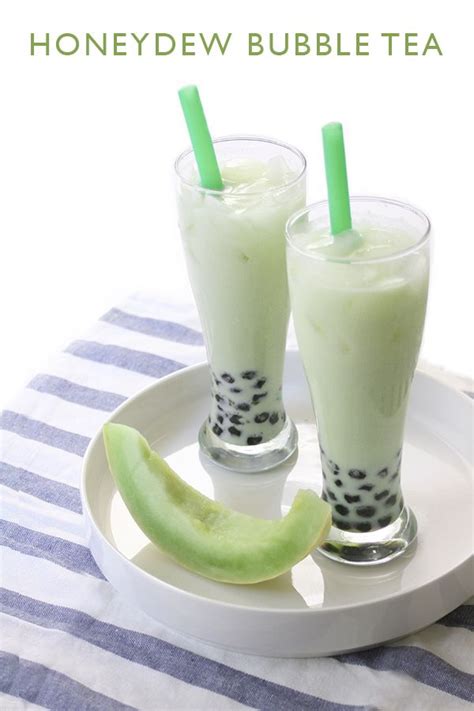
320,607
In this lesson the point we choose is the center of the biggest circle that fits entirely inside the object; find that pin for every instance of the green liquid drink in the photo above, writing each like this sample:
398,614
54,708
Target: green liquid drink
235,253
359,302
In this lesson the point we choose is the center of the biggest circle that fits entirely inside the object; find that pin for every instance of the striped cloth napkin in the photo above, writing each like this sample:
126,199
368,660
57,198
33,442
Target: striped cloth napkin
70,642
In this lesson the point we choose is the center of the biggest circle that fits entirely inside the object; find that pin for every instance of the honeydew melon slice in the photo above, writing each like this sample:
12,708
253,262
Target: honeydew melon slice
203,535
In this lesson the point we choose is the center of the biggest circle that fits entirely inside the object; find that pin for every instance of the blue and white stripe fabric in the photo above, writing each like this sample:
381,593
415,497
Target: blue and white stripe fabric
68,641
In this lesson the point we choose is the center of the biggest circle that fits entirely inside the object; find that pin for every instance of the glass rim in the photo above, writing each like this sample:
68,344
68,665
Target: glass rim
245,137
407,207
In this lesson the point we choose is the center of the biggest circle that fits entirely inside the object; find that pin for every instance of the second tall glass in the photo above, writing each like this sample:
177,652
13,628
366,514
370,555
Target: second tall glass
359,305
234,244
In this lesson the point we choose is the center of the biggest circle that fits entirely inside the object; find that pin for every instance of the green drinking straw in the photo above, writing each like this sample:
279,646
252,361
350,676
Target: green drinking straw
336,178
200,138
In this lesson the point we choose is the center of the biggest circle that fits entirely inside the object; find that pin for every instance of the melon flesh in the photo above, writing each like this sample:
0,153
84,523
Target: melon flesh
201,534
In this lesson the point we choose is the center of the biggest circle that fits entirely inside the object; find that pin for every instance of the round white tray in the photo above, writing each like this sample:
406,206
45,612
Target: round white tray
320,607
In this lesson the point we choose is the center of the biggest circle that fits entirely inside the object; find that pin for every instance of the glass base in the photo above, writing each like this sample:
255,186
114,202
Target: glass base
254,458
374,547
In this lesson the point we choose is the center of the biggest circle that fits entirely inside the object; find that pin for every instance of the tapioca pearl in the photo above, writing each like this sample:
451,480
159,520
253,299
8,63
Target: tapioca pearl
228,378
391,500
357,474
383,472
394,476
254,440
234,431
363,527
218,397
217,430
324,496
333,467
332,495
366,487
324,474
236,390
260,383
381,495
249,374
338,482
384,521
365,511
274,417
352,499
256,398
343,525
243,406
341,509
221,409
220,419
262,417
236,419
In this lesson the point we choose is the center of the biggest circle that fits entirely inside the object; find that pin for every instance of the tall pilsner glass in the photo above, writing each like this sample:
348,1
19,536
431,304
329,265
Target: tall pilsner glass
234,242
359,309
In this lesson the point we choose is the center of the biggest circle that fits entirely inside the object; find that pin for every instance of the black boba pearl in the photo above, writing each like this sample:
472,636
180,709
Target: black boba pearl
256,398
254,440
363,527
351,499
324,496
236,390
260,383
383,472
236,419
394,476
273,418
338,482
228,378
219,398
391,500
357,474
217,430
365,511
324,474
221,409
343,510
243,406
333,466
220,419
249,374
366,487
217,382
332,496
262,417
234,431
381,495
384,521
343,525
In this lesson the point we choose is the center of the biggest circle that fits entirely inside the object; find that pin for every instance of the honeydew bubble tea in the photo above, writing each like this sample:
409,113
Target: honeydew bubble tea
358,273
234,198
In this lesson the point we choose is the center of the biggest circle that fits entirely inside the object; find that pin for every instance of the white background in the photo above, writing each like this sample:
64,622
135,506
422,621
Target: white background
87,146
